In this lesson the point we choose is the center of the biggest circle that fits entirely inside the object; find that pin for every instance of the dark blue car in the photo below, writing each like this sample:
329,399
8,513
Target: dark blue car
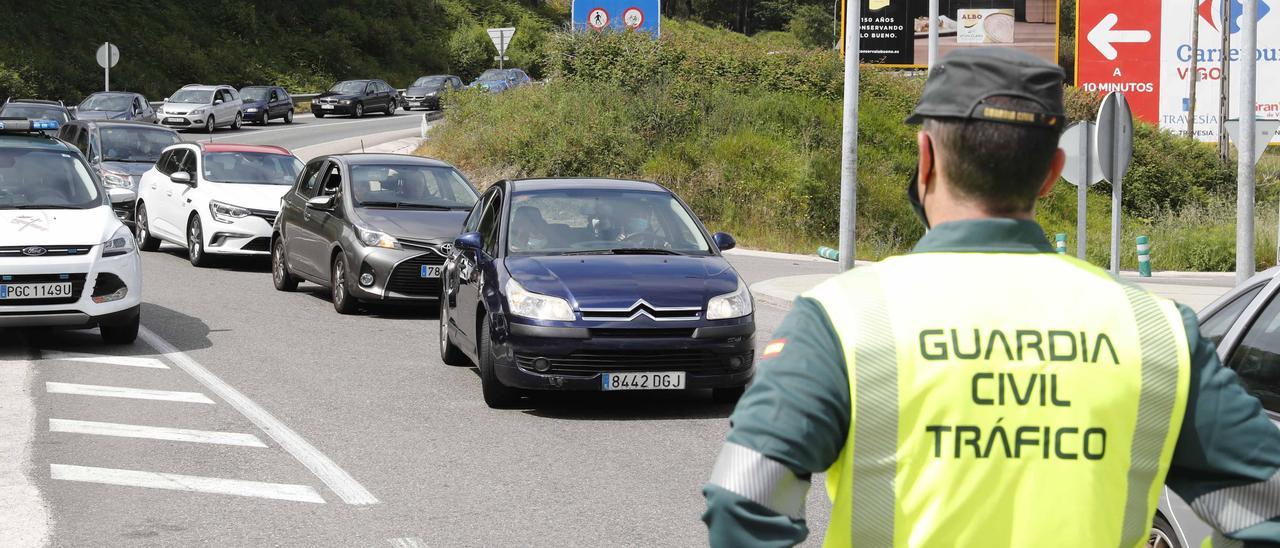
264,103
593,284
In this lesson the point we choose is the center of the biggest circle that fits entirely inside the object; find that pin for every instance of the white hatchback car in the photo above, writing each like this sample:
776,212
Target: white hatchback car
65,259
214,198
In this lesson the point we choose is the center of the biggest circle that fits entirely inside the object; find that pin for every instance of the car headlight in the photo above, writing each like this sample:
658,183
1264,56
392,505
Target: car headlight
116,180
373,238
251,109
730,305
536,305
345,101
226,213
121,243
200,110
432,94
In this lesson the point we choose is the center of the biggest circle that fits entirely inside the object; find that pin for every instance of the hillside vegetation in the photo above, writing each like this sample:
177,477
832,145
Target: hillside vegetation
747,130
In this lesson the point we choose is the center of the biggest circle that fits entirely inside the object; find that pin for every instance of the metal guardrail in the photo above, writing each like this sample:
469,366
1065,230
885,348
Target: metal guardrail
297,97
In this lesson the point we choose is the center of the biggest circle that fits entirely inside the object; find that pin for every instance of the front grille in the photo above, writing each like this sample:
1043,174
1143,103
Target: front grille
406,278
585,363
77,287
261,243
265,214
424,245
49,250
643,333
641,309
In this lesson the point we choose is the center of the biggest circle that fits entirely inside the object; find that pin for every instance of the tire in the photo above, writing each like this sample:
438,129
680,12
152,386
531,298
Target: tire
358,111
450,354
1162,534
496,394
280,275
146,242
122,333
239,121
391,108
195,244
343,302
266,117
288,117
727,395
316,114
208,124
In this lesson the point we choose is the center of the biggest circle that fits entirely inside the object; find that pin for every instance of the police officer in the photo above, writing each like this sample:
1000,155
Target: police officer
984,390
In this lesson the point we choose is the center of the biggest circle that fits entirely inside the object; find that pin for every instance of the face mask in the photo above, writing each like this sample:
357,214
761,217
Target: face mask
913,197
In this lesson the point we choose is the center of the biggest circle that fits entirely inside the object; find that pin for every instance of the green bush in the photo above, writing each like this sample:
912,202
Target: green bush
812,26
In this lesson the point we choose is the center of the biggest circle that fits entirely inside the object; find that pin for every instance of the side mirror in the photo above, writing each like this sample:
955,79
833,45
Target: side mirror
724,241
121,195
182,178
470,241
166,99
321,203
217,101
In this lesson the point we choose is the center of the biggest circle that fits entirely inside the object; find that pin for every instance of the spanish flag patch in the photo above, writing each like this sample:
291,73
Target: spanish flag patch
773,348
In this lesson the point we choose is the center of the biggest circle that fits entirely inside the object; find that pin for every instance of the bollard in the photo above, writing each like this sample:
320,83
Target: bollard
828,253
1062,243
1144,257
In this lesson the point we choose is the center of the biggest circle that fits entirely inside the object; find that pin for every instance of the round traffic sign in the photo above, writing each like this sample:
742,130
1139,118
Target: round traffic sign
632,18
108,55
598,18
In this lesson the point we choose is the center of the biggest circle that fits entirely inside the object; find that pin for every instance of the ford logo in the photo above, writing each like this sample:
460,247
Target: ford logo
34,251
446,248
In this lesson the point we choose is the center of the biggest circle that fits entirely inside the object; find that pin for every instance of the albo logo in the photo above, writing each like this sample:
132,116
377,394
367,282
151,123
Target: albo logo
1211,12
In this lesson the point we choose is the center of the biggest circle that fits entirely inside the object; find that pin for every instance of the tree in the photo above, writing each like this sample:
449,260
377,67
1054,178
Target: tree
813,26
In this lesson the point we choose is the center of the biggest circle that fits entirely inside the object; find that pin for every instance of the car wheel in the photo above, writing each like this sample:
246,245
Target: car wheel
266,117
280,275
288,117
343,302
496,394
195,244
359,111
727,395
450,354
391,108
208,124
1162,534
238,121
121,333
146,241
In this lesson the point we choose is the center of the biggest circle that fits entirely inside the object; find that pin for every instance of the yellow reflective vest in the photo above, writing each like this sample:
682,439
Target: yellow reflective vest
1032,412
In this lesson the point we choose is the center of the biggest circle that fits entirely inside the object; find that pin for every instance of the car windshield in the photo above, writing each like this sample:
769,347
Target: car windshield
490,84
45,179
110,103
35,112
493,74
429,81
349,87
256,168
255,94
410,186
587,221
192,96
134,144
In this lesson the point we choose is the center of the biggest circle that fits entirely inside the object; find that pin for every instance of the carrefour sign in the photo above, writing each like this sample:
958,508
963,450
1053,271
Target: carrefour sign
1143,48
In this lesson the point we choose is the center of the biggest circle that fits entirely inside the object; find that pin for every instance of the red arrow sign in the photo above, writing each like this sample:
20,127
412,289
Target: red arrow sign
1118,49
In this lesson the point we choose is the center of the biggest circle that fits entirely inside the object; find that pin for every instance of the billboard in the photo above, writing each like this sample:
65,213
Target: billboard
895,33
1143,48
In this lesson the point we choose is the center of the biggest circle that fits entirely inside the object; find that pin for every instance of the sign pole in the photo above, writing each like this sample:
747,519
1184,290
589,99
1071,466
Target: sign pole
1082,195
106,74
1246,261
933,33
502,53
1195,75
1224,87
849,140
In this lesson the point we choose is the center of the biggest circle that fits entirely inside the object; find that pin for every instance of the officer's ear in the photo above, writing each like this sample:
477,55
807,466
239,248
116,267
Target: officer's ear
925,160
1055,171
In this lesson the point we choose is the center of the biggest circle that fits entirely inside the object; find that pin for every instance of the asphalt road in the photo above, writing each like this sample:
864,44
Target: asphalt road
245,416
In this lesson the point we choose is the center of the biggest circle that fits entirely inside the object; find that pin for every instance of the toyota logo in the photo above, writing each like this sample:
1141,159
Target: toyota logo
446,248
34,251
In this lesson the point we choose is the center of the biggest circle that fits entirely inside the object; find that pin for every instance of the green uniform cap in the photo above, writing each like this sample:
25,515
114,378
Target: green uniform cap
960,85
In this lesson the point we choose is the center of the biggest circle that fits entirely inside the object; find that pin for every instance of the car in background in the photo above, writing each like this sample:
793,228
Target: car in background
1244,324
201,107
65,260
371,227
119,152
597,285
115,105
356,97
425,92
214,199
263,103
37,109
510,78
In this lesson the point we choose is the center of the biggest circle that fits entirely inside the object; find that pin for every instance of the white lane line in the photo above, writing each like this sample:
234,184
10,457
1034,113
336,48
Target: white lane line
179,482
24,514
124,392
153,432
342,484
407,542
130,361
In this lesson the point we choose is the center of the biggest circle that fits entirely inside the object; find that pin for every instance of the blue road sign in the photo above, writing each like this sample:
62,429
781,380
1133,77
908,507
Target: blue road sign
617,15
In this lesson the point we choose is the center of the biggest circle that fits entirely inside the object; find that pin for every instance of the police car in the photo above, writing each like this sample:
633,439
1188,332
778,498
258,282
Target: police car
65,259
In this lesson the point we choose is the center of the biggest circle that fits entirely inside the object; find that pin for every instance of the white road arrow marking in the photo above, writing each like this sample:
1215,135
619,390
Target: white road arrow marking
1102,36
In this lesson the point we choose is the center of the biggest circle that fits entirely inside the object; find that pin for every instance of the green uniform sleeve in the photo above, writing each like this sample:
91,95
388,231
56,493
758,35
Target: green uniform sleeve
1226,442
796,412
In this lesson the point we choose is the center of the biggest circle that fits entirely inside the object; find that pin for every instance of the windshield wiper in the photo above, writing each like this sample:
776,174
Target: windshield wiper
644,251
590,252
45,206
405,205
